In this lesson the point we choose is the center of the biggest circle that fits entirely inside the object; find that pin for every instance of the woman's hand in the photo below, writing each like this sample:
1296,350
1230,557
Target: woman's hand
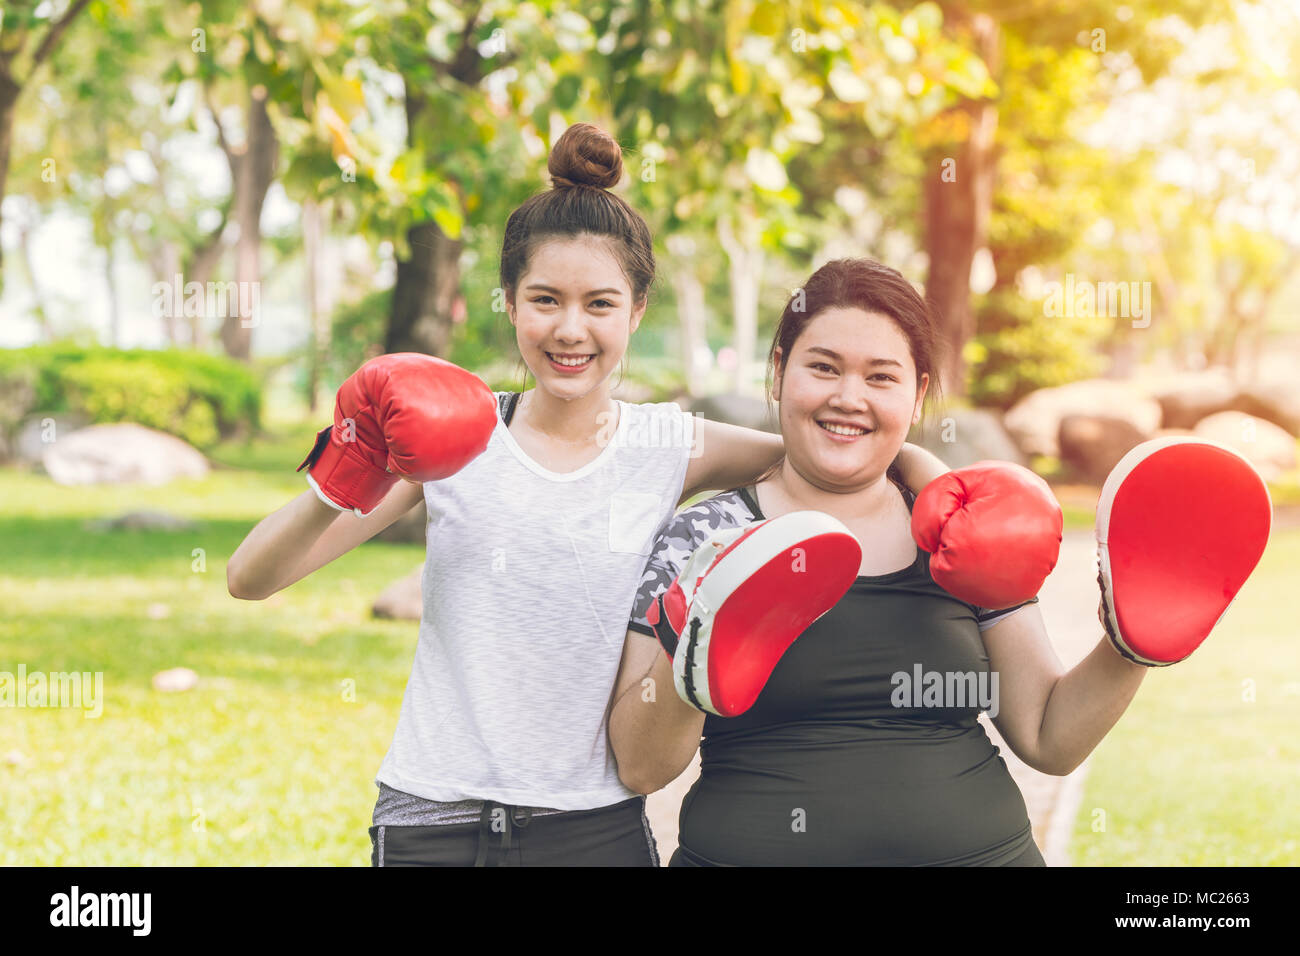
918,466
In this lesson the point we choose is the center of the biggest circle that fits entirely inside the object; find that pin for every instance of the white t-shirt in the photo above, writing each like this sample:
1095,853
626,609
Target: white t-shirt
529,579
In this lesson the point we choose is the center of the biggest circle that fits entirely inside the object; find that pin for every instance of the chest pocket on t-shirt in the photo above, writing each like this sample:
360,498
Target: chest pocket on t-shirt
633,519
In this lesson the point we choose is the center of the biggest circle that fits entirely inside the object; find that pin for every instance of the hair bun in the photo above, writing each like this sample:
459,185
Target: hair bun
585,156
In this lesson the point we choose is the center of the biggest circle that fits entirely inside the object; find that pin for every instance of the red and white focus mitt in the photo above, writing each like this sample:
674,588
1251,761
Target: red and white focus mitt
1181,524
743,598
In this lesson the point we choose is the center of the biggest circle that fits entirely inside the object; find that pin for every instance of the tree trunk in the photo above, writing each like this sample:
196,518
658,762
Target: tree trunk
114,314
15,38
691,314
253,170
428,284
38,297
315,341
202,259
204,263
429,281
9,91
745,272
426,288
1167,292
165,261
958,201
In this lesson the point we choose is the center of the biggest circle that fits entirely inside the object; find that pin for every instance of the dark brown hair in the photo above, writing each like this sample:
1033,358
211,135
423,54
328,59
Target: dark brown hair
859,284
584,162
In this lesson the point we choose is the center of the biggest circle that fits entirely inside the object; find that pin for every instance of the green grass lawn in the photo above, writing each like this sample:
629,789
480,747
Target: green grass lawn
271,760
1196,772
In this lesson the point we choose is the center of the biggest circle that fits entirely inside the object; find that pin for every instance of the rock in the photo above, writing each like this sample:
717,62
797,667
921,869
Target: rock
963,436
175,680
1188,397
410,528
1271,449
737,410
17,400
1276,402
143,521
120,453
39,432
1035,421
401,601
1093,444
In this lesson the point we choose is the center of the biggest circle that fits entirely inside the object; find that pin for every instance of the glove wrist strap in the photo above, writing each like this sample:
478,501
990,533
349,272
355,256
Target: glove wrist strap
341,476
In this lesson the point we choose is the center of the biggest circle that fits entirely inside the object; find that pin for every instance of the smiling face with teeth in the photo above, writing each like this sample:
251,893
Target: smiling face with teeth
848,393
573,315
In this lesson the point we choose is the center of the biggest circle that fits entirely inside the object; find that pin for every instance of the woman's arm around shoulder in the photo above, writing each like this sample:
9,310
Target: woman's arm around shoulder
726,456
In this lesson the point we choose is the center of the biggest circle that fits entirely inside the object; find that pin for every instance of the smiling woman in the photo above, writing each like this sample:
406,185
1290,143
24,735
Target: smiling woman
830,766
573,319
862,399
850,408
500,753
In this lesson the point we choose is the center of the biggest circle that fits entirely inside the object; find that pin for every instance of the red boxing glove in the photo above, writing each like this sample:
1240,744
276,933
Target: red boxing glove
400,415
994,530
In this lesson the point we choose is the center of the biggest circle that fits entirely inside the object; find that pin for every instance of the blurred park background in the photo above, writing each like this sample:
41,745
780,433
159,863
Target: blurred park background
213,212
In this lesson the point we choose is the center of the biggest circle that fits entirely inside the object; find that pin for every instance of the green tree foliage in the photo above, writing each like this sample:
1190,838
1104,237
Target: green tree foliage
1051,189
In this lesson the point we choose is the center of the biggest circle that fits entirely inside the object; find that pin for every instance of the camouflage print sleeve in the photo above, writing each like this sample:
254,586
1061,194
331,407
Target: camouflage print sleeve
676,541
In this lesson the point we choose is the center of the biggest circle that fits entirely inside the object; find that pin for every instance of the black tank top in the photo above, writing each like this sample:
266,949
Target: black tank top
824,770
